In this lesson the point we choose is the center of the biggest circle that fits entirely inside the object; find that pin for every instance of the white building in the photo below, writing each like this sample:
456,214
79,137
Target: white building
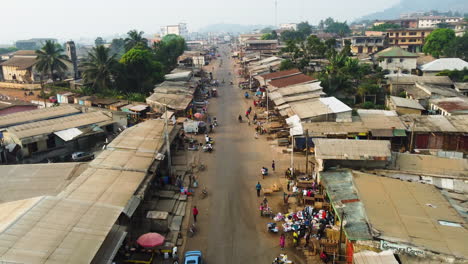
179,30
397,60
290,26
432,21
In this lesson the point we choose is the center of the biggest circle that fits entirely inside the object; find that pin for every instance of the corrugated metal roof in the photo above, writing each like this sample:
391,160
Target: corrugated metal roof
396,52
22,63
68,134
50,126
71,227
350,149
408,213
436,123
30,180
444,64
371,257
274,75
453,105
406,103
444,80
291,80
380,119
339,187
36,115
335,105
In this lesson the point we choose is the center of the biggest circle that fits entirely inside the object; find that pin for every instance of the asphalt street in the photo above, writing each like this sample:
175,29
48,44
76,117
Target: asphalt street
230,229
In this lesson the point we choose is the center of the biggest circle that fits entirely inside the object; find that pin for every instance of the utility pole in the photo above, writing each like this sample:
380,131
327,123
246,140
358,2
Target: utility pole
307,151
292,158
276,13
341,233
168,145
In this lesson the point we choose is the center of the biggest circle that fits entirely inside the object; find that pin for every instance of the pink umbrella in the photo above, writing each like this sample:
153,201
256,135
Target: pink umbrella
198,115
150,240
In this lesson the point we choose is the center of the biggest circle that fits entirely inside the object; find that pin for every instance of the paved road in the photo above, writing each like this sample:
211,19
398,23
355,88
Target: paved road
230,228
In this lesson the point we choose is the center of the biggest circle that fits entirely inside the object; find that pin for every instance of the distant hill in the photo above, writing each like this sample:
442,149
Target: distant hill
408,6
232,28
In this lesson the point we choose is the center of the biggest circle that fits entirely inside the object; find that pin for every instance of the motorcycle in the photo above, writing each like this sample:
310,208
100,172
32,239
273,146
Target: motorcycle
209,140
207,148
204,193
192,230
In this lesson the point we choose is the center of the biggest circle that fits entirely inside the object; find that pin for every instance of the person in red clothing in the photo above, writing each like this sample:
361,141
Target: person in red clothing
195,213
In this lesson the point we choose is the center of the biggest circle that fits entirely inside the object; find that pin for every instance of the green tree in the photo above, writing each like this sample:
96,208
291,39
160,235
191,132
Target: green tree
99,41
117,47
438,40
168,50
340,28
385,27
328,22
305,29
287,65
7,50
143,71
135,39
455,75
50,59
266,30
100,68
291,35
458,48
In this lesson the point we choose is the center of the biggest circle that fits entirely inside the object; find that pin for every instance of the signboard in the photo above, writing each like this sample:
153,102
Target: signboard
400,249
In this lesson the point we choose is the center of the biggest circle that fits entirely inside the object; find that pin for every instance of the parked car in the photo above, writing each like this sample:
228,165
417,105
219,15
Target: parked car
82,156
193,257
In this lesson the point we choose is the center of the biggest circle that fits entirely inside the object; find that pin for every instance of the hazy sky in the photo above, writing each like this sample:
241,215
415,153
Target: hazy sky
64,19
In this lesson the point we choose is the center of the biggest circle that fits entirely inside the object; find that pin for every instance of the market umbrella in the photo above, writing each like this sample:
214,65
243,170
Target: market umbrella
198,115
150,240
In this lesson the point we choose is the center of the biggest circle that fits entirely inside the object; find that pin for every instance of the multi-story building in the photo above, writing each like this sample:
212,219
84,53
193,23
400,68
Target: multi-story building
180,30
32,44
411,40
366,44
433,21
288,26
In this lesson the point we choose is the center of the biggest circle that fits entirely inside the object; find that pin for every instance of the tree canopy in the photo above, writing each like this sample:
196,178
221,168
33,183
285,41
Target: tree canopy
50,59
385,27
99,41
458,47
304,28
100,69
135,38
438,41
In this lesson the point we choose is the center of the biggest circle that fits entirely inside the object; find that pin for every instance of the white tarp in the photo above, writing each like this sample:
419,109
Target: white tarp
295,126
68,134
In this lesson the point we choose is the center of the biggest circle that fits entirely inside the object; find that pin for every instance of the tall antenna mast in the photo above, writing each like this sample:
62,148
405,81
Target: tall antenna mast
276,13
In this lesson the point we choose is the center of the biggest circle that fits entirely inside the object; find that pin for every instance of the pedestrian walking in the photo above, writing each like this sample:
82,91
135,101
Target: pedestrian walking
282,241
195,213
273,165
256,135
258,187
295,238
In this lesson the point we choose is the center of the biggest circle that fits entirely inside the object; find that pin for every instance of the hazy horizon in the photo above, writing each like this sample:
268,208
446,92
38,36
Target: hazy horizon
89,19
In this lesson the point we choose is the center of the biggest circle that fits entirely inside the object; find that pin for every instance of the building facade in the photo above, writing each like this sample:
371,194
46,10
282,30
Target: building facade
179,30
289,26
411,40
366,44
433,21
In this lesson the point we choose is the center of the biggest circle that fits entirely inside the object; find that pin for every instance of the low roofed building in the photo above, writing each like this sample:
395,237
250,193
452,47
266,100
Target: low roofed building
450,106
320,109
397,60
434,67
351,153
404,106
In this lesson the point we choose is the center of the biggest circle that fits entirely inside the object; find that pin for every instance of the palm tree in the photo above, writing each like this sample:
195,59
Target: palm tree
50,59
135,38
100,67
